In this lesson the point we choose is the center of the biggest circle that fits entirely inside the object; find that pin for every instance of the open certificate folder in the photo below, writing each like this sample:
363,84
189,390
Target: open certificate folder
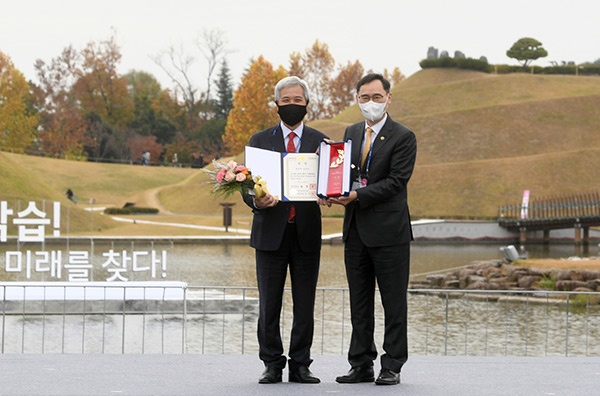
289,176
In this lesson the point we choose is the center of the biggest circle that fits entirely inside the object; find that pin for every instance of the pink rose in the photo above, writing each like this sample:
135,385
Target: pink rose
220,175
240,168
229,176
240,177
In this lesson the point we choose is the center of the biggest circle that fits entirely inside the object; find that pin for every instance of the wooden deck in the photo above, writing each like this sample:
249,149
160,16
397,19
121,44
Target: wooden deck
579,212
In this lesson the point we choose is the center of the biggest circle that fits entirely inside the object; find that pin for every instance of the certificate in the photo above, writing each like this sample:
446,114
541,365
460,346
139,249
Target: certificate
300,172
289,176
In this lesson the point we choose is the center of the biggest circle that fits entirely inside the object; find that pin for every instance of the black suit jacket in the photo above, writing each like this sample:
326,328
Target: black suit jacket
269,224
381,213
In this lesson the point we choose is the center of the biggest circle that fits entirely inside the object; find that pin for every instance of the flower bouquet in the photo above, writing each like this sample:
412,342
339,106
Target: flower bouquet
231,177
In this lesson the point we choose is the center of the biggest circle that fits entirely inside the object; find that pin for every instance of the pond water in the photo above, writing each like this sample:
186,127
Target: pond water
437,325
224,264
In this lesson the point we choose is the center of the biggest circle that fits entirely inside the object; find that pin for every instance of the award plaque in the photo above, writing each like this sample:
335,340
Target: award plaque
334,169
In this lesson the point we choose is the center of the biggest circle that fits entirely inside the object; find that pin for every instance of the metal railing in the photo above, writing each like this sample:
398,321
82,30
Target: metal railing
222,320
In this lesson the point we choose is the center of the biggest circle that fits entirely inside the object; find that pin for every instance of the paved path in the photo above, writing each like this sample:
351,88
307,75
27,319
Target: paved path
181,375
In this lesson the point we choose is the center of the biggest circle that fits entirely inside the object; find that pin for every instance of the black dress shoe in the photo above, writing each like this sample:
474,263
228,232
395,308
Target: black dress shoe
387,377
303,375
356,375
271,375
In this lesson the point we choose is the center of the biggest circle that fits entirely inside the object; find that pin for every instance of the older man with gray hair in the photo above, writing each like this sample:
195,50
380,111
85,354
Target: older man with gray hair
286,234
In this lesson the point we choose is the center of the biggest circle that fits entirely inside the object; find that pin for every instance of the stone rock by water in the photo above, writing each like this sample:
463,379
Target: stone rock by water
498,275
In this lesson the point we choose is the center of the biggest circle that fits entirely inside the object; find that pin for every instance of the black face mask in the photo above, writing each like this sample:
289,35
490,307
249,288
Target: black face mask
291,114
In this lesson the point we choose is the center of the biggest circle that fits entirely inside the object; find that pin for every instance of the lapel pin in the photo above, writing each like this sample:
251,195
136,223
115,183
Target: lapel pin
382,138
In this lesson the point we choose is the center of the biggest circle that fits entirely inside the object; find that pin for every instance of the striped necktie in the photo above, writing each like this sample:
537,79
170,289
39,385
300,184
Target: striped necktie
366,147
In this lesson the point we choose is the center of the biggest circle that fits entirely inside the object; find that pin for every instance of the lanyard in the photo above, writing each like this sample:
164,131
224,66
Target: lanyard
368,162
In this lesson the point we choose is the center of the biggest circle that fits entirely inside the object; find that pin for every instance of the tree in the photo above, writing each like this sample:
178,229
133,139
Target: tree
251,110
100,88
224,101
316,67
296,68
212,47
343,87
139,144
209,139
104,99
17,122
62,125
188,152
150,117
180,75
526,50
177,65
395,77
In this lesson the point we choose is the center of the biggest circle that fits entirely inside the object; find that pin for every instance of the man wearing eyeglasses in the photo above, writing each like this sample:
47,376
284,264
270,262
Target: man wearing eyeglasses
377,233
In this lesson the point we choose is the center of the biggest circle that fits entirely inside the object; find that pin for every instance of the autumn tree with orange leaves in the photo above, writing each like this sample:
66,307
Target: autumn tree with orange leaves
63,128
343,87
104,99
316,67
332,89
395,77
252,104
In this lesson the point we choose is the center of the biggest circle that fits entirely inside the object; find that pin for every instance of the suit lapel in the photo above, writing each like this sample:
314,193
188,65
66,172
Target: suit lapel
382,136
356,134
308,144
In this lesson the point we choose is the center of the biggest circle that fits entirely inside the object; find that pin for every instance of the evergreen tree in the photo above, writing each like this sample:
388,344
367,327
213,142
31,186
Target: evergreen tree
224,92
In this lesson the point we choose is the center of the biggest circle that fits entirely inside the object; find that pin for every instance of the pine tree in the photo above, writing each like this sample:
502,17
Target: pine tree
224,92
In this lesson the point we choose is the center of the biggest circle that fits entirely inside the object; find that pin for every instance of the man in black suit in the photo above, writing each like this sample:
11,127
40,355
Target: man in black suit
377,233
287,233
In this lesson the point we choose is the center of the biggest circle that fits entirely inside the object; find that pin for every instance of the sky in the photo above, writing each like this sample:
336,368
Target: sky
381,34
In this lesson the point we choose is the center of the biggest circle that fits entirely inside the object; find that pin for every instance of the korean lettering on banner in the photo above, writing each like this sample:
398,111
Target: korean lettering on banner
31,222
32,225
117,263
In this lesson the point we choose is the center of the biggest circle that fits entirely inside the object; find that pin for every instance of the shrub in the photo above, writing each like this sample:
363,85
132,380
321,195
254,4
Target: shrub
547,282
459,63
130,210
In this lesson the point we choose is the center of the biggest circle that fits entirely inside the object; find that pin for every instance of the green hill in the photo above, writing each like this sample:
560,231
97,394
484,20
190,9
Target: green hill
482,140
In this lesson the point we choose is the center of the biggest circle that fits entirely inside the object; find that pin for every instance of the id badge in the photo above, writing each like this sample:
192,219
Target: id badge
355,185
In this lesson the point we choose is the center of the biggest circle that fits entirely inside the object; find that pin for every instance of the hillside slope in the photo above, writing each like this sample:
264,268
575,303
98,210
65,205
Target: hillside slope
483,139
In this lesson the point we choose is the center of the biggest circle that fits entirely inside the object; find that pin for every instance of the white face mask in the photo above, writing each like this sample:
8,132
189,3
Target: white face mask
372,111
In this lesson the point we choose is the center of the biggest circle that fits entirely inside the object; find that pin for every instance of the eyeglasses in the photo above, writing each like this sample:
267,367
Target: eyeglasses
378,98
